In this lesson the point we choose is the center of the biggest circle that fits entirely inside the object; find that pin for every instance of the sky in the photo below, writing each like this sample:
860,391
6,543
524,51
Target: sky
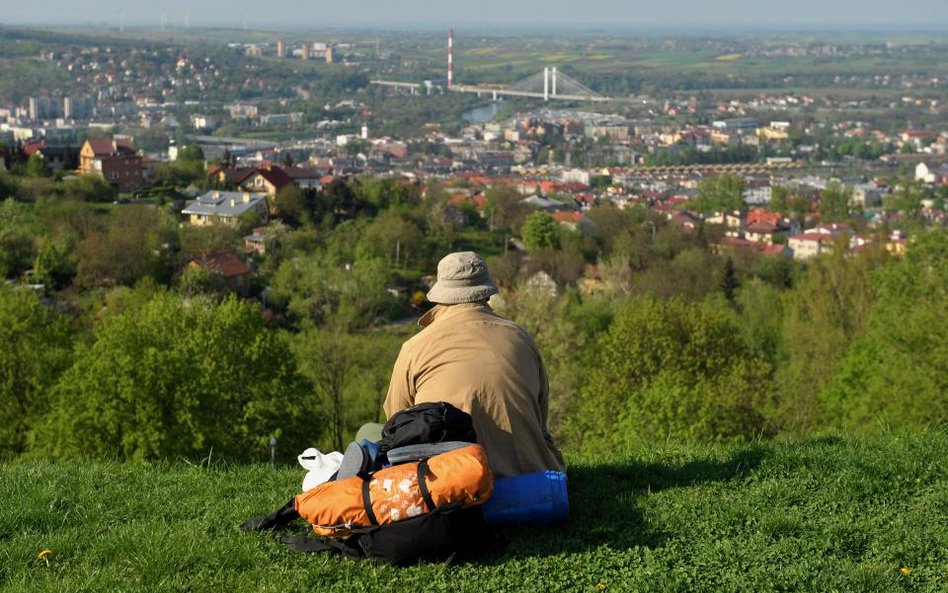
525,14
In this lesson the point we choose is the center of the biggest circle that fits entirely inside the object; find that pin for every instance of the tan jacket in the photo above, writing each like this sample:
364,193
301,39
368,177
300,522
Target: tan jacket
489,367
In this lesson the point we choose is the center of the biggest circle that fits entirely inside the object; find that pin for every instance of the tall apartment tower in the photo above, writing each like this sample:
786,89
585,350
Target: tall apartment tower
329,54
306,50
281,48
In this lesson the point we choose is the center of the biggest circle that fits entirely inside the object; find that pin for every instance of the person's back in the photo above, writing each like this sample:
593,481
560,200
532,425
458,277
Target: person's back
483,364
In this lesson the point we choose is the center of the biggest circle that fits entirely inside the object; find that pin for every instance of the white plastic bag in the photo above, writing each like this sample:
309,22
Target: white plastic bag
320,466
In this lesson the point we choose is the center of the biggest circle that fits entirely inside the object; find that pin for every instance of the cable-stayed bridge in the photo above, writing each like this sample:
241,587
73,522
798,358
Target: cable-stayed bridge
547,85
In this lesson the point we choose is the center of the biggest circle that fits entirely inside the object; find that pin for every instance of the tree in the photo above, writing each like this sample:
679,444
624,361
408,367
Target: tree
8,186
70,218
380,193
762,309
16,252
36,166
330,292
505,208
729,281
130,248
691,273
721,193
36,349
290,205
908,197
540,231
89,188
190,163
195,281
348,373
338,201
822,315
198,240
896,374
173,379
395,237
670,369
55,263
834,202
611,224
780,199
444,219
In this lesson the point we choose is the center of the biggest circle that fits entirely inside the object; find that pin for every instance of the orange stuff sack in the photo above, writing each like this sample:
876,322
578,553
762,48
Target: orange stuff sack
454,479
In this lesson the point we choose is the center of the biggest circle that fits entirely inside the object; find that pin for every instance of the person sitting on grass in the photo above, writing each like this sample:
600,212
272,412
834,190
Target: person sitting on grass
481,363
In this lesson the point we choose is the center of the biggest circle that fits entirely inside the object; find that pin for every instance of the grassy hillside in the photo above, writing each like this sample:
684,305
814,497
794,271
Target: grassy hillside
831,513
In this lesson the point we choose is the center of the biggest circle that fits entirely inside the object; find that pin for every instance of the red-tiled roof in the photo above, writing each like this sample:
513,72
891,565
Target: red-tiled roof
275,176
762,215
773,250
810,237
567,216
108,147
302,173
761,228
33,146
222,263
100,146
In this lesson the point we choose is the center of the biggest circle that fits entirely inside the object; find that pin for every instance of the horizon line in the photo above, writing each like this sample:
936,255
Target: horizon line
149,24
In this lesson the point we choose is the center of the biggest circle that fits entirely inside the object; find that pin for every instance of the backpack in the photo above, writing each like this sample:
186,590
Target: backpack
427,423
425,506
454,479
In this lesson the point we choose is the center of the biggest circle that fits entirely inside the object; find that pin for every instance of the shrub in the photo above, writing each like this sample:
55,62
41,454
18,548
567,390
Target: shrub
174,378
670,369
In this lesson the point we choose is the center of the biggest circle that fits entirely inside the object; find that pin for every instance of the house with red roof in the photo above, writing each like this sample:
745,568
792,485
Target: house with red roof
230,268
227,177
809,245
116,161
733,244
268,180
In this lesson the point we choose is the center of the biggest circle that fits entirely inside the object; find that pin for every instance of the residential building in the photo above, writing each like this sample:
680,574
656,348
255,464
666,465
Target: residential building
227,207
268,180
234,272
808,245
115,160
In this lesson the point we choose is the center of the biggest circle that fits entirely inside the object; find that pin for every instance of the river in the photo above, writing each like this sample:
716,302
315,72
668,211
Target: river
482,113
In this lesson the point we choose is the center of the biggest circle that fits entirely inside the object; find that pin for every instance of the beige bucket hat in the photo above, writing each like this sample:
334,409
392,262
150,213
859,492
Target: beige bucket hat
462,278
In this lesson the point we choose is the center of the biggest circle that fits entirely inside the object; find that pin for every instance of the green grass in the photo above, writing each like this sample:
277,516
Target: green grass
834,513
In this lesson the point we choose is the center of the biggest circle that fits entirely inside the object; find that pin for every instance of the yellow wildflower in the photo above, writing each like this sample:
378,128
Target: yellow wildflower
601,586
45,555
905,570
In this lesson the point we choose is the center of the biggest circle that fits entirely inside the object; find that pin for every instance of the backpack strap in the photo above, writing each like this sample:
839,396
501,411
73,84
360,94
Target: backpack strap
367,502
422,487
306,544
278,519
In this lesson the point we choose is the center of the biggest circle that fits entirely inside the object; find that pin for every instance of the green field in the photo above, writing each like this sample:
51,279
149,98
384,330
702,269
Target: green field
829,513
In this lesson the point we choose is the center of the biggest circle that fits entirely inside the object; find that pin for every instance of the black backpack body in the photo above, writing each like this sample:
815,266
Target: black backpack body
427,423
444,534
